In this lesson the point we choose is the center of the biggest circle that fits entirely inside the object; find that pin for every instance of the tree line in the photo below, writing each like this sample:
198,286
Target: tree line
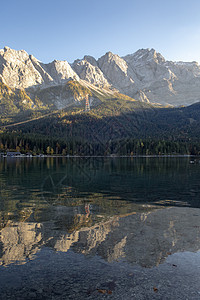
39,144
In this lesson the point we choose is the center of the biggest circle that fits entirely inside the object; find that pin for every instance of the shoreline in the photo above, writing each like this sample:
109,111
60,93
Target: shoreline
102,156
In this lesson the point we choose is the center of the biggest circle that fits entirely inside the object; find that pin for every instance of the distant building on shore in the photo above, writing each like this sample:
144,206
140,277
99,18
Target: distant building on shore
17,153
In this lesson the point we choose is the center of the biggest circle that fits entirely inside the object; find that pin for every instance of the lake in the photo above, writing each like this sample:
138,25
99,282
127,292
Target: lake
95,228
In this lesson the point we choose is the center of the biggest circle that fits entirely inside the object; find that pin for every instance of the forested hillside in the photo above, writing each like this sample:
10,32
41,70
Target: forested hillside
116,126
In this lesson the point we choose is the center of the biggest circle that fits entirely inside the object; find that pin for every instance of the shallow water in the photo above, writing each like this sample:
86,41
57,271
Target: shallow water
90,228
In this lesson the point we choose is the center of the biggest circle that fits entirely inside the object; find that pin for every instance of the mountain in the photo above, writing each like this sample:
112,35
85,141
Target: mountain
18,69
147,76
139,96
167,82
144,75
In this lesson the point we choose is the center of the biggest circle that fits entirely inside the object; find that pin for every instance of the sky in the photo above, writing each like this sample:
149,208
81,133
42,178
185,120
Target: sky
70,29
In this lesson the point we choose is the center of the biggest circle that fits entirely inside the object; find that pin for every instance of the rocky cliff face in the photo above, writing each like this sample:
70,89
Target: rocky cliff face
147,76
60,71
20,70
88,70
118,73
164,81
17,69
144,75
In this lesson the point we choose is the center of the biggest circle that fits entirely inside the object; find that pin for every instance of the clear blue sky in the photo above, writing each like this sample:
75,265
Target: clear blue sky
67,30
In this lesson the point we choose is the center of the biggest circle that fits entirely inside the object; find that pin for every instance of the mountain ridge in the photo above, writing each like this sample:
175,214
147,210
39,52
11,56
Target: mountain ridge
144,75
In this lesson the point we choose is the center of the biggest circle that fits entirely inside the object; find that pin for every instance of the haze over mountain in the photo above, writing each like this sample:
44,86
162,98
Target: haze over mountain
144,75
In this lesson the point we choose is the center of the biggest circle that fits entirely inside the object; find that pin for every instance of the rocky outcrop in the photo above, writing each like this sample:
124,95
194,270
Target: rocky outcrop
63,95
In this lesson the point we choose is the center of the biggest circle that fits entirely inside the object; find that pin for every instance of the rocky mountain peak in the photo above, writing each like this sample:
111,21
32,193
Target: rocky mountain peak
91,60
60,71
12,54
145,56
109,56
17,69
110,60
21,70
87,69
118,72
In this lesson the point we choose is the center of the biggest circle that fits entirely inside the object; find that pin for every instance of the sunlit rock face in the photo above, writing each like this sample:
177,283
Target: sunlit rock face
18,69
60,71
88,70
118,73
139,238
144,75
162,81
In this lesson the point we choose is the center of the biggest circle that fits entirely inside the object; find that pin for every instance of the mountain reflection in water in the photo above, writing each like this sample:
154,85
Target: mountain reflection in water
144,238
118,209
